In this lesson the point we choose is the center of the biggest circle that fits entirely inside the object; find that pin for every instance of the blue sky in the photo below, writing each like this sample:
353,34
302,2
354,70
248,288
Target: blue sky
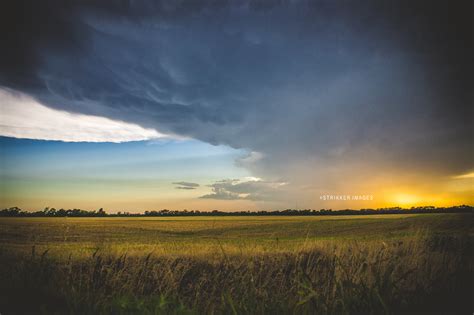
157,159
52,173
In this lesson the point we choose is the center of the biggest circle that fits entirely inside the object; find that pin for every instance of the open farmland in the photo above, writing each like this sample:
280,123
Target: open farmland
331,264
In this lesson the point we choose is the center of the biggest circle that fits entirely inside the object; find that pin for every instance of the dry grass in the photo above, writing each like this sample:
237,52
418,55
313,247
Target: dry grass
426,271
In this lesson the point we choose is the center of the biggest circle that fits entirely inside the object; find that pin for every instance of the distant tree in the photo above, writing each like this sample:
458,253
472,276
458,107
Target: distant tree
101,213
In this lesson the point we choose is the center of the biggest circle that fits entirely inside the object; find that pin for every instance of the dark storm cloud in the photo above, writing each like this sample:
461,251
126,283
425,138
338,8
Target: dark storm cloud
186,185
315,83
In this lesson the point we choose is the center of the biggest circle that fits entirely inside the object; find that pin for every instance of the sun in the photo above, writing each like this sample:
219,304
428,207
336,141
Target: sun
405,199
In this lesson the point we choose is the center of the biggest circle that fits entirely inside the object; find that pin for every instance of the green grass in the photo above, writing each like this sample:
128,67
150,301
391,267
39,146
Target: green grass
247,265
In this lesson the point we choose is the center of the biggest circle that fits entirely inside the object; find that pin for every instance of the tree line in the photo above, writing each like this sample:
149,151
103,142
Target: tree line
52,212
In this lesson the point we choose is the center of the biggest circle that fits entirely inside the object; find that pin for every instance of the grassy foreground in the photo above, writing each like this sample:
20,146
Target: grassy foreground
237,265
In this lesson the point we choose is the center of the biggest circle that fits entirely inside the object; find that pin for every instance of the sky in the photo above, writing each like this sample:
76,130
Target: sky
235,105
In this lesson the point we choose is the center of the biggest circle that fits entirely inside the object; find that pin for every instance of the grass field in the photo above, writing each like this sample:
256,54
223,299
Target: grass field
243,265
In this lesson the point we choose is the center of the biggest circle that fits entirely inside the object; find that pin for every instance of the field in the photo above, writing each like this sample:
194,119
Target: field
379,264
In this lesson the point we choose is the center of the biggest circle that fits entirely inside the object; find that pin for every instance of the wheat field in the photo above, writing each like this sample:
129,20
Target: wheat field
376,264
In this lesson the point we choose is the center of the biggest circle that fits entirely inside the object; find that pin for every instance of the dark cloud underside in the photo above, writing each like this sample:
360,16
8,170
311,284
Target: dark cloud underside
186,185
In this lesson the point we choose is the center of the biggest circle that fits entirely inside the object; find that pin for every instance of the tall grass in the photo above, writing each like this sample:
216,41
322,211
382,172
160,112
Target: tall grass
419,274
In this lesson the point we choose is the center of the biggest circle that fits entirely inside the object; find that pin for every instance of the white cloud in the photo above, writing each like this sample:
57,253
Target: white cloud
21,116
252,179
254,189
464,176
